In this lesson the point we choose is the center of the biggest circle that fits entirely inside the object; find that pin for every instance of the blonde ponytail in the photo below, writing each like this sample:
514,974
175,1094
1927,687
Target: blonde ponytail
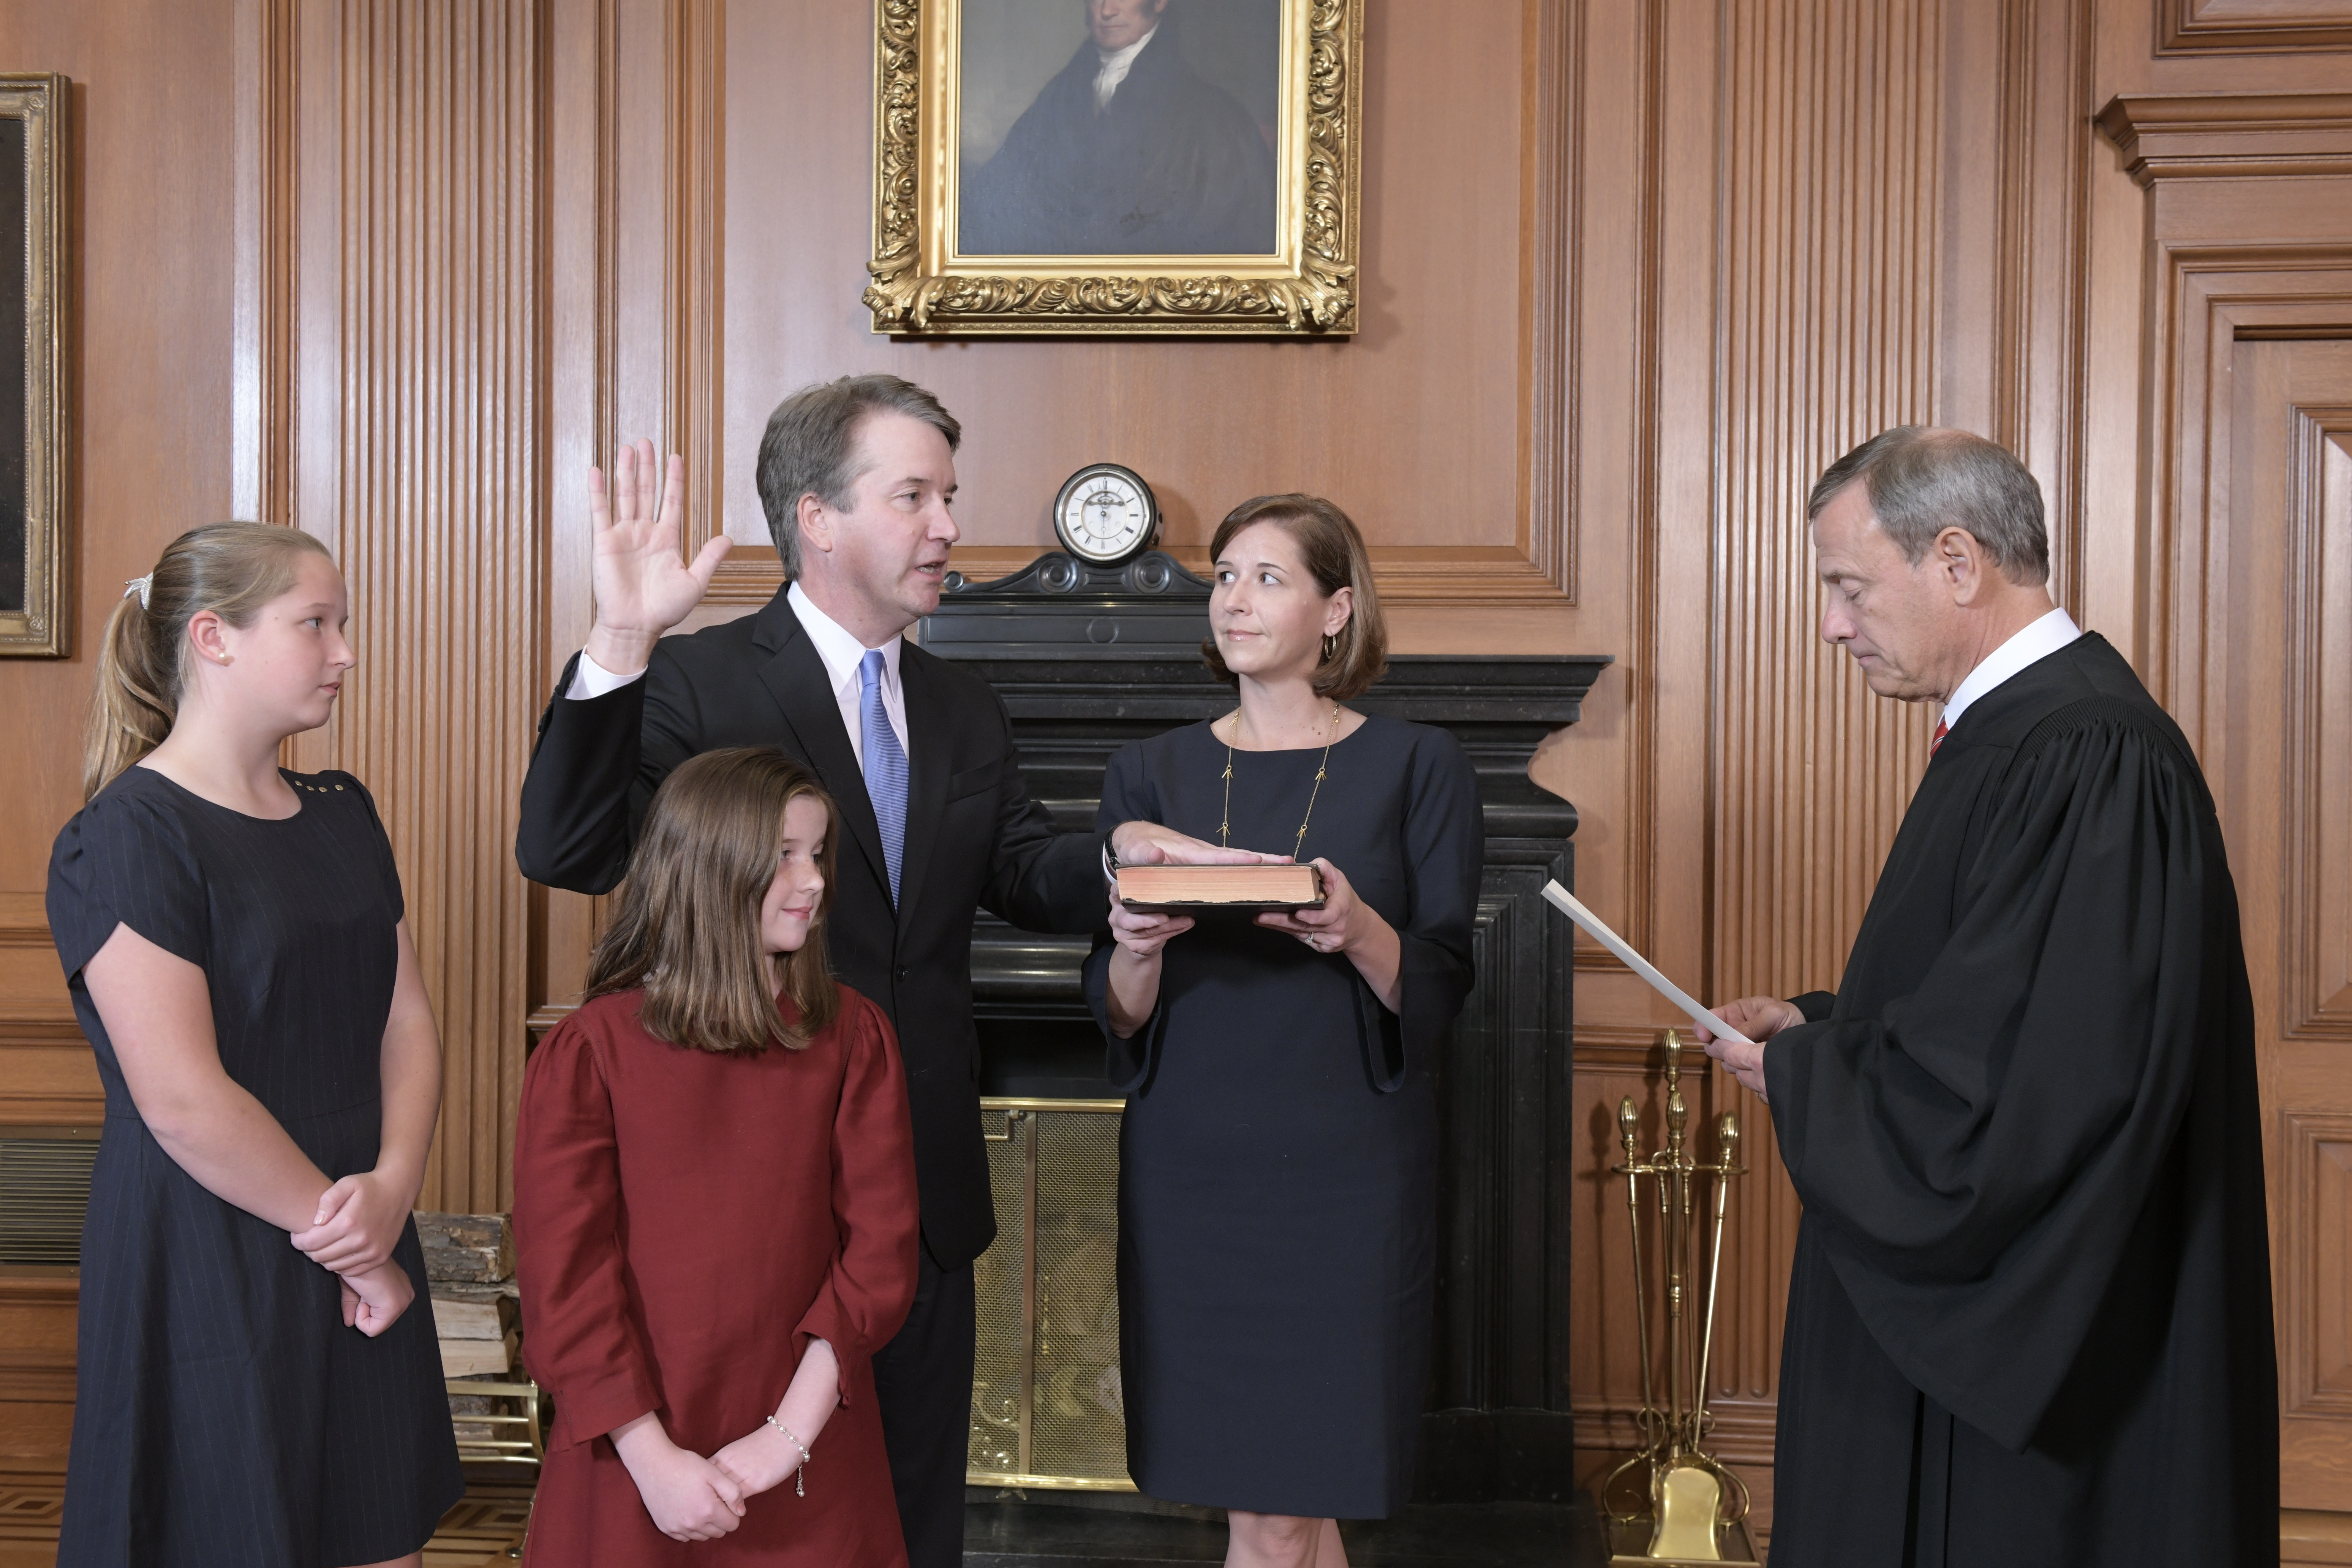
229,568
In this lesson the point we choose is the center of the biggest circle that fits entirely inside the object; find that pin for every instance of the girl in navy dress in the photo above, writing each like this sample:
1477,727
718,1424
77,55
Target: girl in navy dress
258,1377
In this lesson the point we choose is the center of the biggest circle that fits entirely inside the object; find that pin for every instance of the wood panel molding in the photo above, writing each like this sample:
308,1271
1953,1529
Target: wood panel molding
46,1072
419,358
1539,567
37,1366
2230,135
695,45
1649,107
2316,993
2248,276
2207,297
2044,273
2251,26
2314,1208
1828,278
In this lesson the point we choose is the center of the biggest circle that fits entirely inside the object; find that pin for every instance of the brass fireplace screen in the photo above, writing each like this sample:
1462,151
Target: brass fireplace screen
1045,1405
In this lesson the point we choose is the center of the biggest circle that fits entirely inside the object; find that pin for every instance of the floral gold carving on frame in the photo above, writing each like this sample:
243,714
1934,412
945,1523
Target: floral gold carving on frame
1307,286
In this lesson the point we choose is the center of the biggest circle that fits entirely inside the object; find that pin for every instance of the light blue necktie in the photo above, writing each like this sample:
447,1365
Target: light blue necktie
886,764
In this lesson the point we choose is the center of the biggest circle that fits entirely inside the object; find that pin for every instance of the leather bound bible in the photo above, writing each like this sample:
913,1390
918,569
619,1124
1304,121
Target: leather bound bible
1179,888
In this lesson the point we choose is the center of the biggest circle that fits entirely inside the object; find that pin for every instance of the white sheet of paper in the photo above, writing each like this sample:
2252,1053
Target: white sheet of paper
1565,902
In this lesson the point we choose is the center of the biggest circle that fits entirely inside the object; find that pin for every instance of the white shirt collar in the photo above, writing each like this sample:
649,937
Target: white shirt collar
2030,645
841,650
1114,66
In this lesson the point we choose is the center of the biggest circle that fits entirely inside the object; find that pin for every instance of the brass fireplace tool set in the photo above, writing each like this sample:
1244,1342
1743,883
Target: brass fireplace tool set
1691,1508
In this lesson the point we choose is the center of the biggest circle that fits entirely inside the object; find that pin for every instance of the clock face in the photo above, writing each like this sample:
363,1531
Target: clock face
1105,513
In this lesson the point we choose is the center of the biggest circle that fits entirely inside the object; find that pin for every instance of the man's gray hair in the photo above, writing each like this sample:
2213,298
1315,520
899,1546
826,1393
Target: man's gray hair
1923,480
810,447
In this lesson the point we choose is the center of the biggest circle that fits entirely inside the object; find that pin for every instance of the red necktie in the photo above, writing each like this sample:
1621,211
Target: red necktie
1942,729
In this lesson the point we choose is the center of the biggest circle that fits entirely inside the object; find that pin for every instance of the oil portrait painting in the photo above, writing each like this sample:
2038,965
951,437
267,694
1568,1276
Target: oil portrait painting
1155,136
33,555
1121,166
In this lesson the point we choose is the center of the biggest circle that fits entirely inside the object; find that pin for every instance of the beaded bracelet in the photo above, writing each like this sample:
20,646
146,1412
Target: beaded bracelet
800,1471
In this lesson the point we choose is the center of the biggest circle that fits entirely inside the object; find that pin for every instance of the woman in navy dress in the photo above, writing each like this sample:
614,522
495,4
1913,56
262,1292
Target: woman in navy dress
258,1381
1277,1180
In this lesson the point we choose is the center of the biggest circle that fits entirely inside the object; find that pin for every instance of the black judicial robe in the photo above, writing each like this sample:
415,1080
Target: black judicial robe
2030,1315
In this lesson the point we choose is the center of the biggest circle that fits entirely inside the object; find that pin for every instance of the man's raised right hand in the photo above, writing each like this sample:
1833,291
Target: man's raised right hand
643,586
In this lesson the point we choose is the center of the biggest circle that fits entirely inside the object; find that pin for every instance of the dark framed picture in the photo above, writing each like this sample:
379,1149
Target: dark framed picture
1118,166
34,598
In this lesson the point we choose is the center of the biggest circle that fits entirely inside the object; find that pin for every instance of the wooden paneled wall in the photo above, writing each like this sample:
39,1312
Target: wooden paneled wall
155,302
1634,273
415,224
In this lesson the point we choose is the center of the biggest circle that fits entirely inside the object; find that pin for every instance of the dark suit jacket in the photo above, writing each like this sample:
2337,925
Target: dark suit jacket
974,837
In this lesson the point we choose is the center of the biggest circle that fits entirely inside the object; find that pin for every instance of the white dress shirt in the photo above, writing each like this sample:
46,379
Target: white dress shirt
842,654
1115,64
2030,645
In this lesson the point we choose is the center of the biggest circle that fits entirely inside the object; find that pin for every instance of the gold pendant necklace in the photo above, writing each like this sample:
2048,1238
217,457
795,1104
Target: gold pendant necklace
1224,825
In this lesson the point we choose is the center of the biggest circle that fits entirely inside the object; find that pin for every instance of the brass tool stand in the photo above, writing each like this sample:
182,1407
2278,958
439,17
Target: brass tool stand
1692,1510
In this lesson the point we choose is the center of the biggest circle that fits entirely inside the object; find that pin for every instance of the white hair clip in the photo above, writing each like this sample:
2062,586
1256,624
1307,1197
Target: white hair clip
139,585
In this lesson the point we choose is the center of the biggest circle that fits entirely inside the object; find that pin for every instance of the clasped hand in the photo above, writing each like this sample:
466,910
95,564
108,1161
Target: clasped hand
1758,1018
359,1221
687,1497
690,1497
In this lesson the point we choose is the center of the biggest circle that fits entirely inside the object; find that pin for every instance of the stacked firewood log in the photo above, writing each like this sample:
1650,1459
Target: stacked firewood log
470,1264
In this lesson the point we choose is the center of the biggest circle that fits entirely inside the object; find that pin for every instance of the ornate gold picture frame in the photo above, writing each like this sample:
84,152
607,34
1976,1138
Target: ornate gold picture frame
979,216
35,601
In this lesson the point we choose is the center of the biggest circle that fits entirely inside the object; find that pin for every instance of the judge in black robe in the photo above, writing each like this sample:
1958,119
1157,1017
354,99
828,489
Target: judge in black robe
1171,166
2029,1317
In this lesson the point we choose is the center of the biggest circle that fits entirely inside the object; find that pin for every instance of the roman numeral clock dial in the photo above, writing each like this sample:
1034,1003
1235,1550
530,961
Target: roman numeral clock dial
1106,514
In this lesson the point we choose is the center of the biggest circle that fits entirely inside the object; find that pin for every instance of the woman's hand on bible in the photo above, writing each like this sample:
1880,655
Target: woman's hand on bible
687,1497
359,1222
374,1300
1340,925
1758,1018
1151,843
1143,935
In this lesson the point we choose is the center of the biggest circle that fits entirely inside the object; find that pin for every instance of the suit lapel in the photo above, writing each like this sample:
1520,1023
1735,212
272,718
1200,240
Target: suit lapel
926,772
795,677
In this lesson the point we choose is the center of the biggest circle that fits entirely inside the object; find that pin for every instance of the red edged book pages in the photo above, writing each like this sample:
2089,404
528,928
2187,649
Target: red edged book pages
1154,889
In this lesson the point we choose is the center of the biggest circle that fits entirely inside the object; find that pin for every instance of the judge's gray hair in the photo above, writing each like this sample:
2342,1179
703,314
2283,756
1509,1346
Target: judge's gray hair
810,447
1923,480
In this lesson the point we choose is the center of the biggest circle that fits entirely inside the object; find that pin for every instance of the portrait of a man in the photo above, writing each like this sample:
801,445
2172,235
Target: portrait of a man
1155,137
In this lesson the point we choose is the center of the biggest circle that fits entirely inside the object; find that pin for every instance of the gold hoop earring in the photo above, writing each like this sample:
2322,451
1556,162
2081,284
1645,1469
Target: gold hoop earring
1329,642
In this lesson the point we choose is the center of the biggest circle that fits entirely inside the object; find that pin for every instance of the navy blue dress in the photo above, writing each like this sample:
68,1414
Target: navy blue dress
223,1412
1279,1154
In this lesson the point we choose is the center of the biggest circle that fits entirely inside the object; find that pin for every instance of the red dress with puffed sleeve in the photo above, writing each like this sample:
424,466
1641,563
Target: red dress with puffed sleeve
685,1223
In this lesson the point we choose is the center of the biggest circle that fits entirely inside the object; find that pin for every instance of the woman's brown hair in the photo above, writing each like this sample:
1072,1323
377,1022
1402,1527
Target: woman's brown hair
1334,556
687,929
229,568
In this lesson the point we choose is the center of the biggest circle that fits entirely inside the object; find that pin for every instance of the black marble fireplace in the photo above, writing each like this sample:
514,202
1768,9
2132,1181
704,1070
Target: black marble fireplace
1088,658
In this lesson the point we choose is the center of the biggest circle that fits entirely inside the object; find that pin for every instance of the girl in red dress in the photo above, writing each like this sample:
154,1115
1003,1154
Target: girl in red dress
715,1205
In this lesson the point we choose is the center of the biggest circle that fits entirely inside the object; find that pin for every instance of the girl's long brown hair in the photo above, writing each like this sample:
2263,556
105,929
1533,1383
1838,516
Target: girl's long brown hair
229,568
687,929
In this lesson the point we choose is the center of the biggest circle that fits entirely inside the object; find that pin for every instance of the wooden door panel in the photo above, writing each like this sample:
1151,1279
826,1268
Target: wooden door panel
2282,622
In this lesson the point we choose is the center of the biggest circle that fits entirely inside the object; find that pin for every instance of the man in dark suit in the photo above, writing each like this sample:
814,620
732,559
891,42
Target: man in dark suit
1127,152
855,477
